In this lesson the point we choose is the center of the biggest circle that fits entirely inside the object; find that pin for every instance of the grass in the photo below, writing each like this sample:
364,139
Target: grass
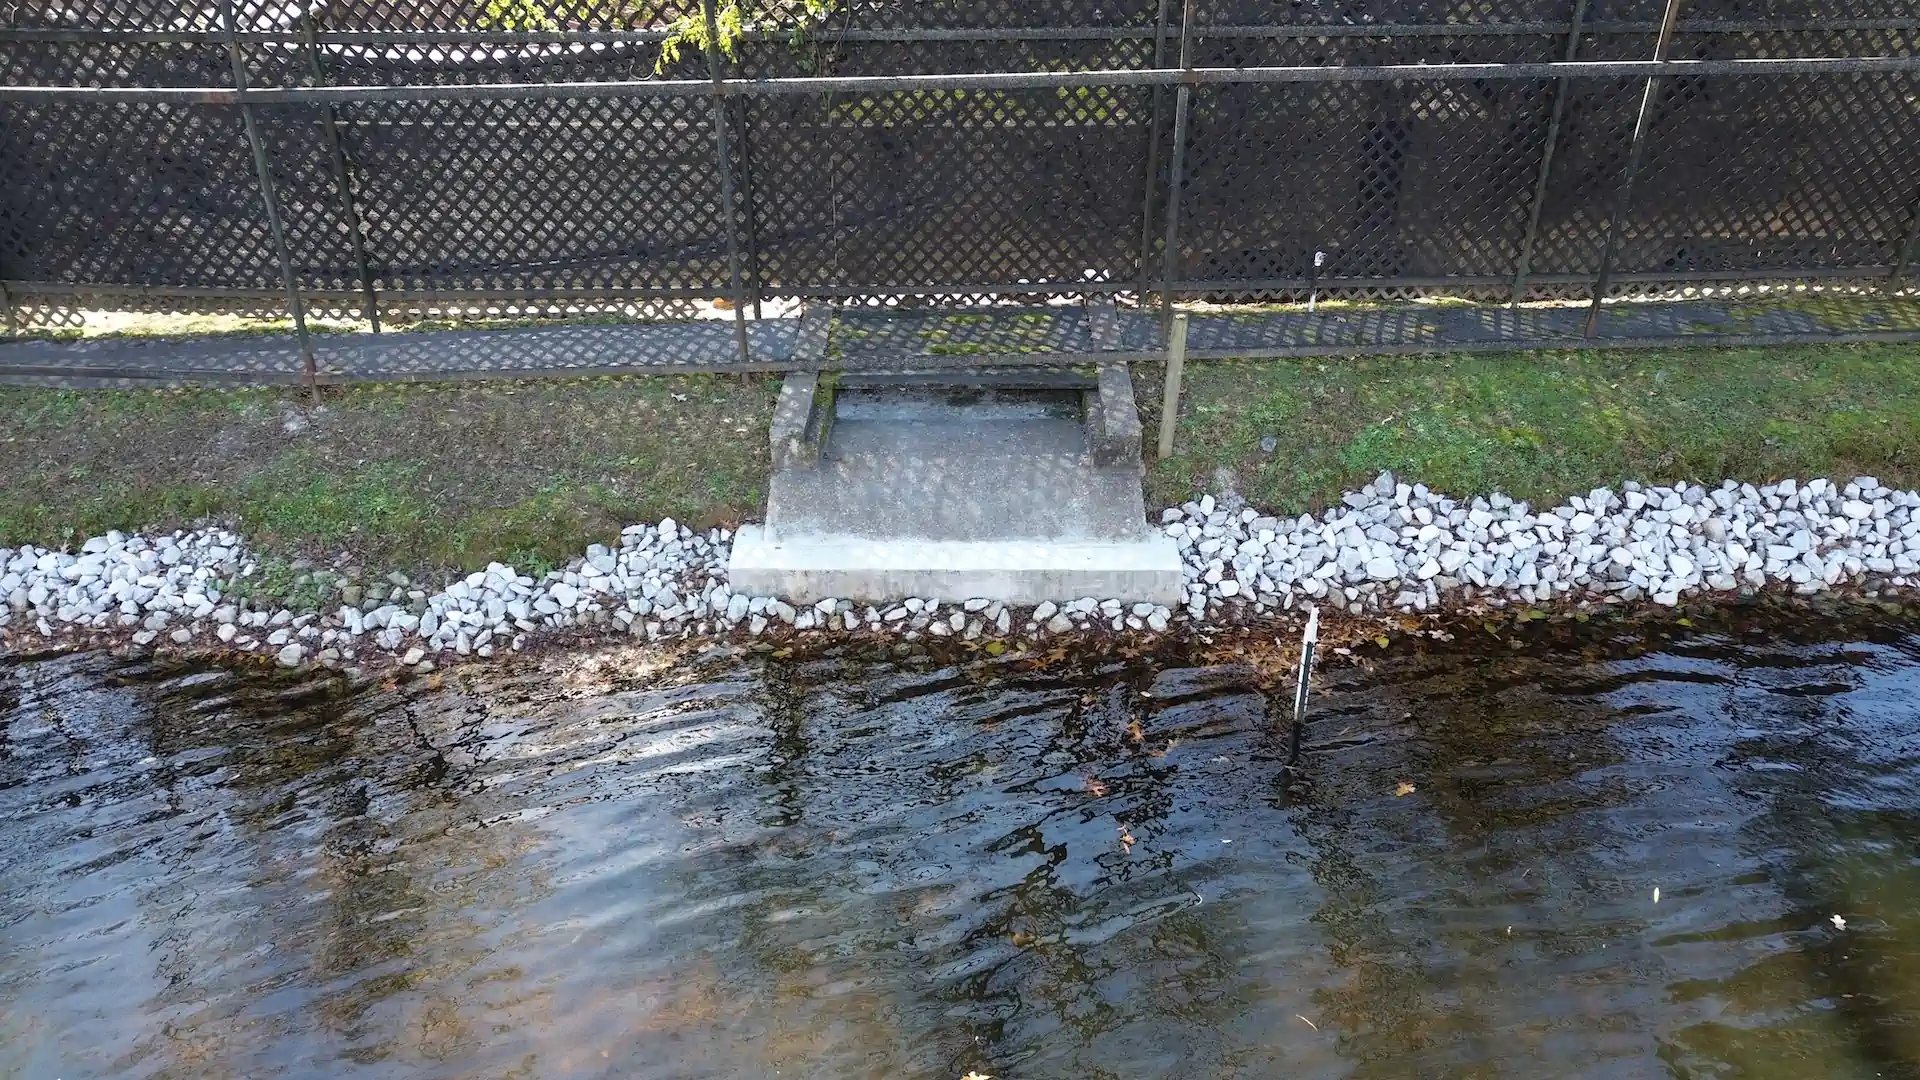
1541,426
415,478
426,478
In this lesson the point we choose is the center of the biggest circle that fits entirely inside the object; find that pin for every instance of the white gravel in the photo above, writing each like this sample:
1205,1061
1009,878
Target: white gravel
1390,546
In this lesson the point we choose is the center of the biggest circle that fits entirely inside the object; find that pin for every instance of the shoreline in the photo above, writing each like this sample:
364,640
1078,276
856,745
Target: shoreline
1386,552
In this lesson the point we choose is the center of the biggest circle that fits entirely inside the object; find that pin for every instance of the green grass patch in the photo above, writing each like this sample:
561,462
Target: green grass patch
439,478
1541,426
417,478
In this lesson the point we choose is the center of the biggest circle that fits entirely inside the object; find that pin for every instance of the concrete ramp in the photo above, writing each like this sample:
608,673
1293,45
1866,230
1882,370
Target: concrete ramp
1021,488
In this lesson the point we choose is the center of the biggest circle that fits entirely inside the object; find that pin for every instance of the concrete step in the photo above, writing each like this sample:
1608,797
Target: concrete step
969,380
1021,492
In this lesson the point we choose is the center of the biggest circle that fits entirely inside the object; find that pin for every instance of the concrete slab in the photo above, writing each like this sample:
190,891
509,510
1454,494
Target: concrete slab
808,569
958,466
952,494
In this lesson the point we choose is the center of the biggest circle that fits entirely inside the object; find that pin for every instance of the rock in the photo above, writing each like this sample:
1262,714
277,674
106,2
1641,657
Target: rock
291,656
1059,624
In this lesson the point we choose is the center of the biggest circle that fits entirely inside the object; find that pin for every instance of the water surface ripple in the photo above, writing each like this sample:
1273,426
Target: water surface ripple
842,868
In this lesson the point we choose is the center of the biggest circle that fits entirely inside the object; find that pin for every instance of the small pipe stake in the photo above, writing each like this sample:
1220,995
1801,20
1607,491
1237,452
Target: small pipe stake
1308,639
1170,400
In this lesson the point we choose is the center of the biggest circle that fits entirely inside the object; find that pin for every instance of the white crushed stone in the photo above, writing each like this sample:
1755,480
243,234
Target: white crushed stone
1387,547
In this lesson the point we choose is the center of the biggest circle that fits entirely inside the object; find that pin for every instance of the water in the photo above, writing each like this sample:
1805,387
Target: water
846,869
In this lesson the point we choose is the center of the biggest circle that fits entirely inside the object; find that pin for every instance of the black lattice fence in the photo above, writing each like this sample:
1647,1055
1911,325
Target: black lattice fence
564,157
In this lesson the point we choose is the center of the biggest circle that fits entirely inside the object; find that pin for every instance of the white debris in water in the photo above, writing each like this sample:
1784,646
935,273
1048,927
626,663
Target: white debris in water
1387,547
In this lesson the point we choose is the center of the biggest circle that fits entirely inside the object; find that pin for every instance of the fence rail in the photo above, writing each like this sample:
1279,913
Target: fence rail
390,161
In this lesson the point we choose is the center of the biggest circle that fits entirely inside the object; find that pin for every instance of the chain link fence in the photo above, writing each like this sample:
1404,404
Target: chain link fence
393,161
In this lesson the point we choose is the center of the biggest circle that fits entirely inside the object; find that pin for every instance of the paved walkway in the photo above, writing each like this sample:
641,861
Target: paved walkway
872,339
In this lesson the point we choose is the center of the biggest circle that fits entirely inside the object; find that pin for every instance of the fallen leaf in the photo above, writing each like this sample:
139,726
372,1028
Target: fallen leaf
1095,787
995,648
1136,733
1381,641
1126,839
1403,788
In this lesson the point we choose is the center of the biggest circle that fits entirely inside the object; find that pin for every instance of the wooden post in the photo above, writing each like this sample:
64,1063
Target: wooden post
1170,400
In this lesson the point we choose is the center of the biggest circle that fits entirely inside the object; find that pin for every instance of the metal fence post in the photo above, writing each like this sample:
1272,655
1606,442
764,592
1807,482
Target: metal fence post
1636,152
264,172
723,152
1182,102
6,306
1153,154
338,156
1560,92
1170,396
1903,256
754,283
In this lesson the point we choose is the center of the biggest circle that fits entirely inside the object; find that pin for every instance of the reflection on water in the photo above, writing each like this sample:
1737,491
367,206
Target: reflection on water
841,868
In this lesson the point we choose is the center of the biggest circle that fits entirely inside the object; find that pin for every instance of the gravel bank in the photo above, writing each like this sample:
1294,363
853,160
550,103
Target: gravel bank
1388,547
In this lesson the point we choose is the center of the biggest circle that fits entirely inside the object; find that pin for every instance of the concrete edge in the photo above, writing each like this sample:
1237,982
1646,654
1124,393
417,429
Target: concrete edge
1113,424
795,434
814,568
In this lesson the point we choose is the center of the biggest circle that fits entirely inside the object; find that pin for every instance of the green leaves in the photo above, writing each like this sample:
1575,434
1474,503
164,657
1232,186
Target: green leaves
518,16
